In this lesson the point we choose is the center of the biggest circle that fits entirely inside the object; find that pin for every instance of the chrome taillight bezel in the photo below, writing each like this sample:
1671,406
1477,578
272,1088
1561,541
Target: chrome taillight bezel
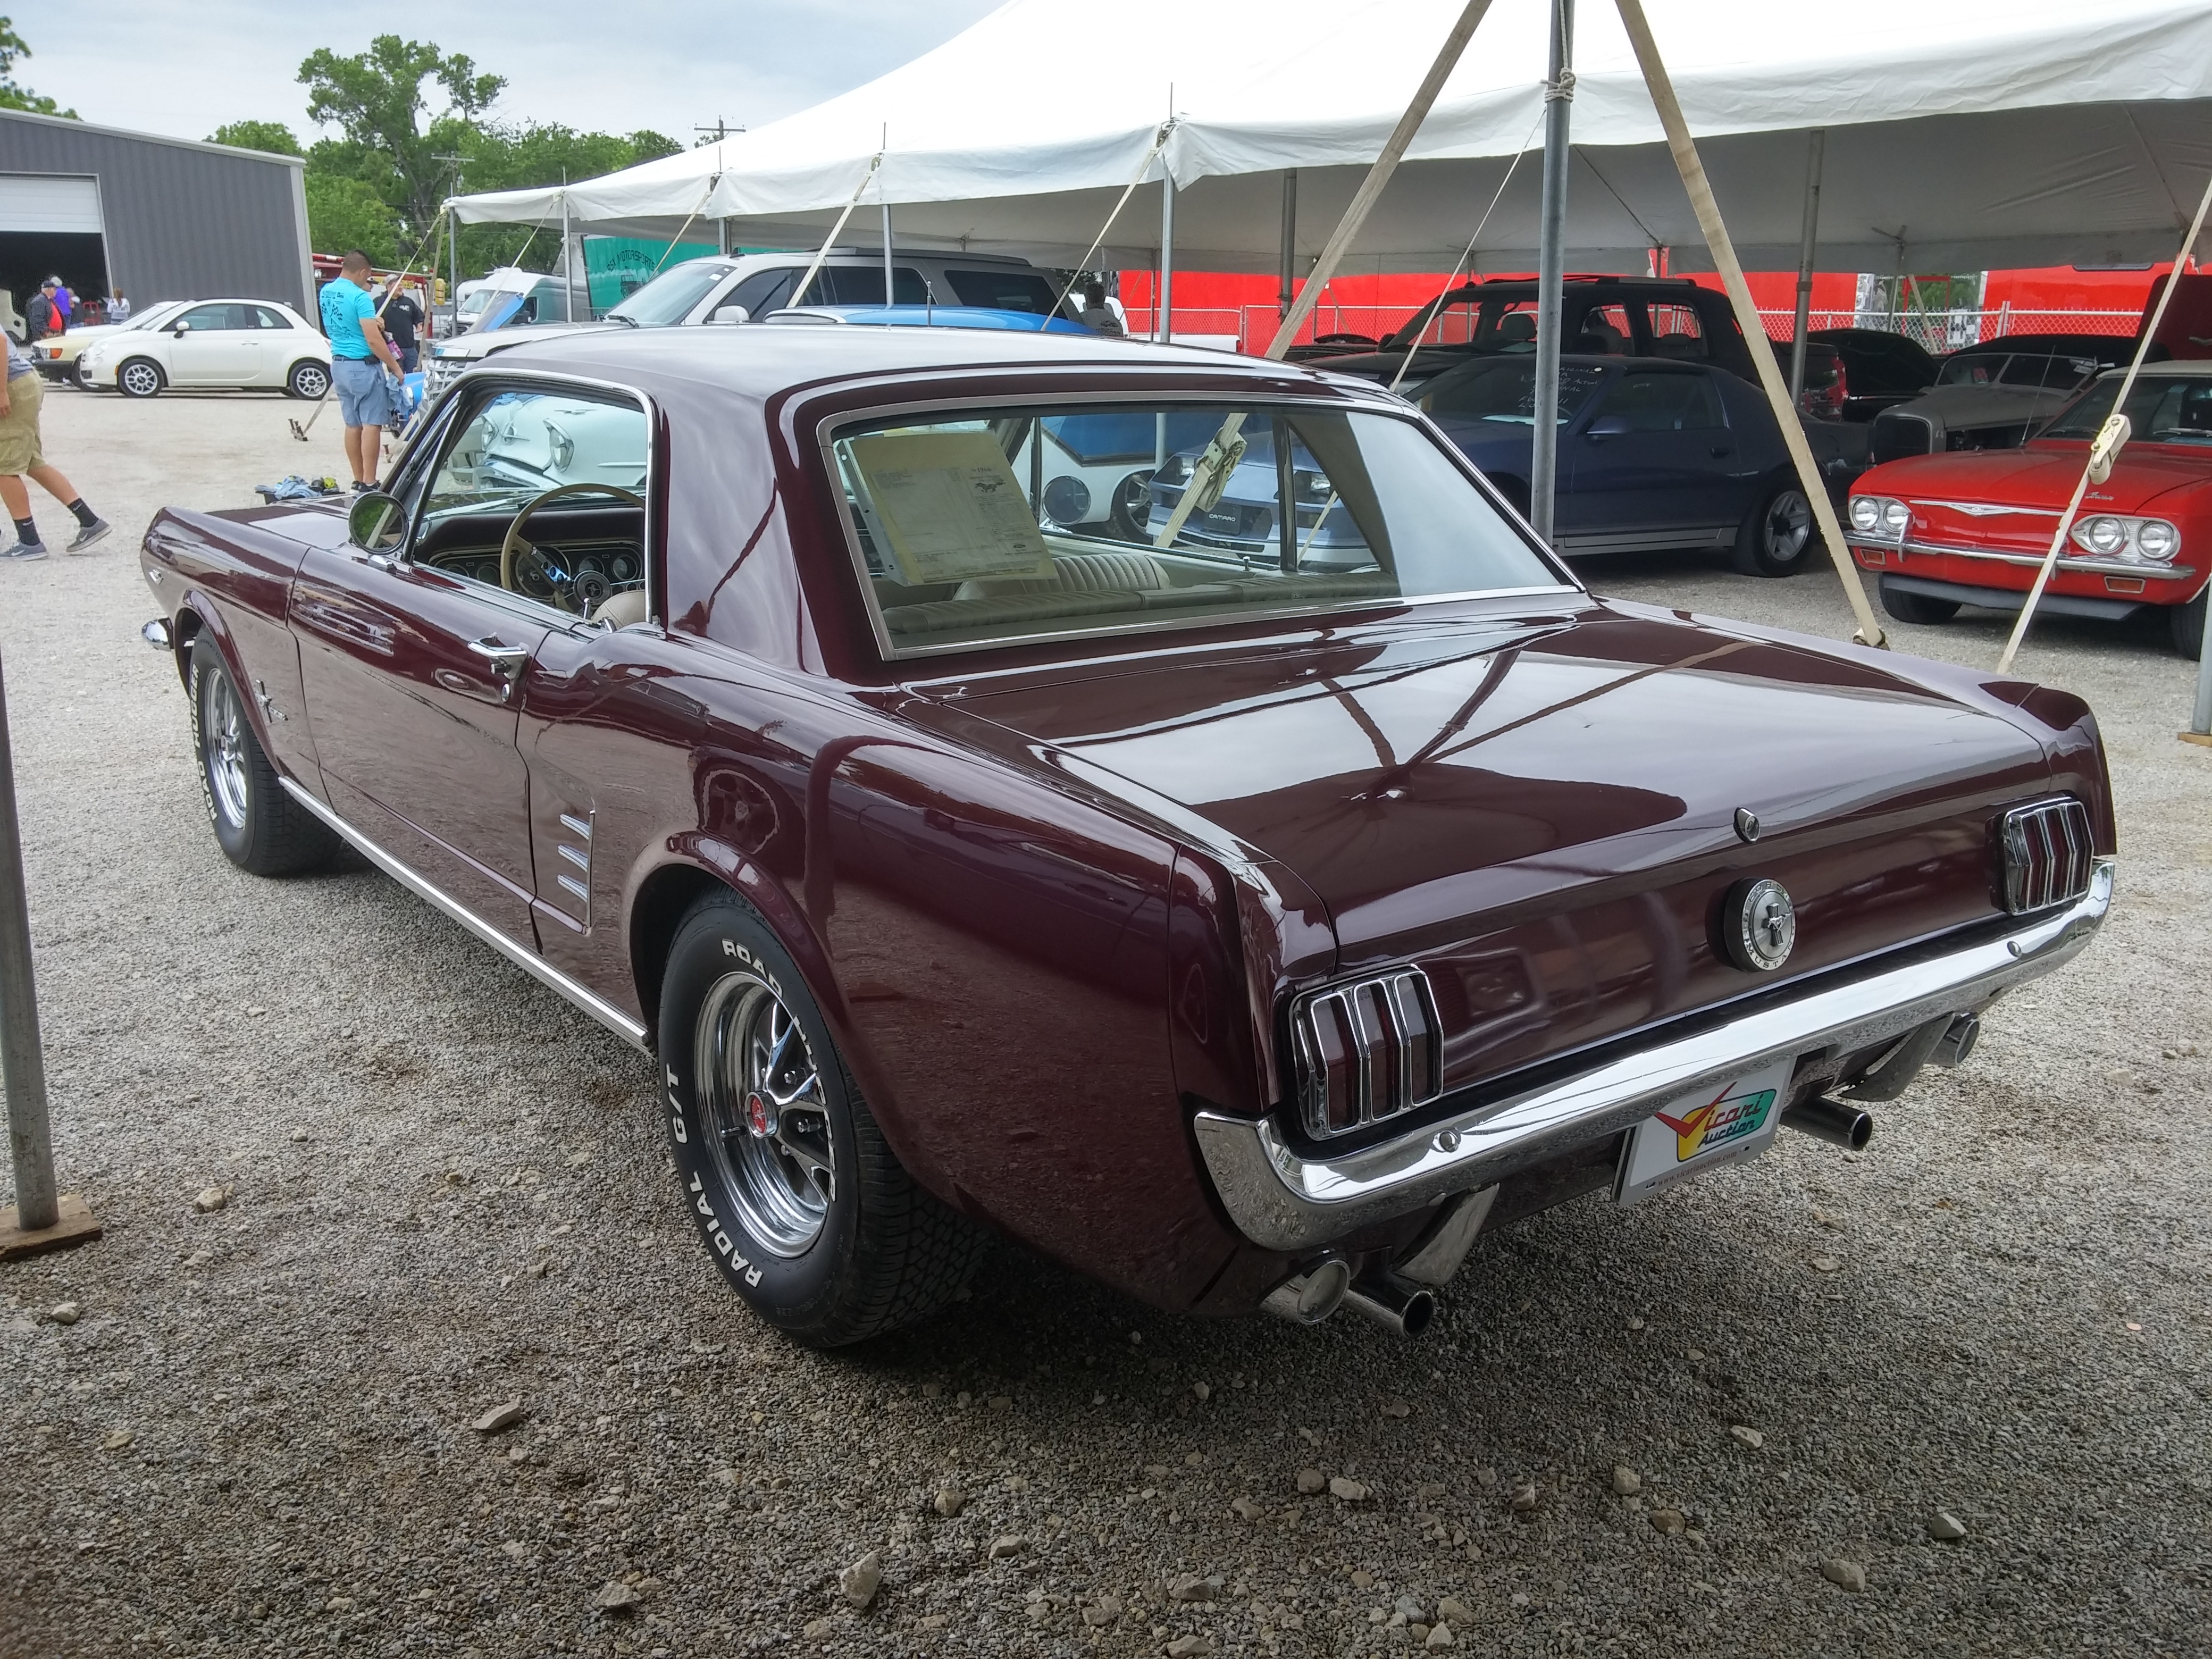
1365,1050
2046,854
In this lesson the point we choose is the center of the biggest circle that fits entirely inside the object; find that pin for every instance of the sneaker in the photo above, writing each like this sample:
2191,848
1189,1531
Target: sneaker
82,541
25,551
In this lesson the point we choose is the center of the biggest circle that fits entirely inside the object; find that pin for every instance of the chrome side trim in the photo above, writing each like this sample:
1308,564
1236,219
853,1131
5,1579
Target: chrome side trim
590,1001
2088,567
1282,1199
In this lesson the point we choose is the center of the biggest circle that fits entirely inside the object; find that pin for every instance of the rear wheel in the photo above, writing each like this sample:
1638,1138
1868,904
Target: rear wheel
140,376
1777,536
308,380
791,1184
1907,606
261,829
2187,622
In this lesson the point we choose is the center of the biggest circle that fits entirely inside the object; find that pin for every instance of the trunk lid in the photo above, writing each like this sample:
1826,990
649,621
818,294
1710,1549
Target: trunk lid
1543,815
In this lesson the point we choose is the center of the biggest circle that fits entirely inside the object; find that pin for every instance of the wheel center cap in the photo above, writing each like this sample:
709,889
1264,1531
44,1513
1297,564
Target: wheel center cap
760,1116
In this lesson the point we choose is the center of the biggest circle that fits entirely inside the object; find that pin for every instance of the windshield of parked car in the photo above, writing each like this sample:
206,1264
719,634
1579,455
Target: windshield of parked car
997,290
519,444
2164,408
669,298
989,529
1503,392
2019,369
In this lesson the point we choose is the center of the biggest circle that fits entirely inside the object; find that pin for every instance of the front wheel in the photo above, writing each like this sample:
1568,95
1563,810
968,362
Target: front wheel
2187,622
790,1182
140,376
1906,606
1777,536
260,829
308,380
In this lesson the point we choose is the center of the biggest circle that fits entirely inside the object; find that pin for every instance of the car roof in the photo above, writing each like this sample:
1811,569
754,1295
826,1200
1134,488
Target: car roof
2050,345
760,361
913,316
2166,370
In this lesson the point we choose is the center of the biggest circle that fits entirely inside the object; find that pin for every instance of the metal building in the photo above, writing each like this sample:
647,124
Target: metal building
159,218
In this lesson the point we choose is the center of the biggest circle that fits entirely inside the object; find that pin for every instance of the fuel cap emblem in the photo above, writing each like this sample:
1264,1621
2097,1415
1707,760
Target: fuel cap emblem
1758,925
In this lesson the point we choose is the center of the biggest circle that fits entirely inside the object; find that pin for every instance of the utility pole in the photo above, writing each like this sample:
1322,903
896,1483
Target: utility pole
719,131
453,253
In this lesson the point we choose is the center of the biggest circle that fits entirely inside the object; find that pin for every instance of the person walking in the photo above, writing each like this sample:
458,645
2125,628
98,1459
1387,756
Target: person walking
401,317
357,346
19,458
65,302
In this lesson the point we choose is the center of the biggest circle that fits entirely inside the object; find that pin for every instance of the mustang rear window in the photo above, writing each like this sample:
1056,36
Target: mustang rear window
993,528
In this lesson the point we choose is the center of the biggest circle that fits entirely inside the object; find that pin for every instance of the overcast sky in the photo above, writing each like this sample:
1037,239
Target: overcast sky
184,68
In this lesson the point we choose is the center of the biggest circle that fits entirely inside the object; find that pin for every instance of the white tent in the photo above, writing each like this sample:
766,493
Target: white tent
2045,131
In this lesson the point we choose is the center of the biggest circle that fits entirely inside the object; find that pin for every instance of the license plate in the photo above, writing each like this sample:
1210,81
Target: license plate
1721,1123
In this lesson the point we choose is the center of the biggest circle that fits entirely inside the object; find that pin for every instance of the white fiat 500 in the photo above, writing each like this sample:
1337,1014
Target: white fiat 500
214,344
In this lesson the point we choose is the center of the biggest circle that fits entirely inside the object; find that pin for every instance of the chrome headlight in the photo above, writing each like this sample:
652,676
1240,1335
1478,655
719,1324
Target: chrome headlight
2104,535
2157,539
1895,517
1866,514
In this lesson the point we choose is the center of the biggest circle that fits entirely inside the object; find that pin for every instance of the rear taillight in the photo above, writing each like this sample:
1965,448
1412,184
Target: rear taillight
2046,855
1365,1051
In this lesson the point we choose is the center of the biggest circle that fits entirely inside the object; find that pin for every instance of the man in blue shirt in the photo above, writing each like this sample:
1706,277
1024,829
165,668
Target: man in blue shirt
357,343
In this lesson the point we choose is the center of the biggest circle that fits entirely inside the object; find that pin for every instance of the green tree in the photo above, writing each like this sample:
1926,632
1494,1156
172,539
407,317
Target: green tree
345,213
517,157
273,138
376,100
17,97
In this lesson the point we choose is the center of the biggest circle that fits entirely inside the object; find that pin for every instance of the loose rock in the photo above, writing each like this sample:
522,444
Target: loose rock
1525,1498
1747,1436
117,1439
1203,1390
1009,1544
501,1417
1312,1482
1625,1481
1453,1611
1826,1264
1191,1588
816,1629
1946,1527
211,1199
1246,1510
1350,1491
950,1501
1102,1611
1397,1408
64,1313
1188,1647
614,1596
1850,1574
1440,1636
1669,1523
860,1582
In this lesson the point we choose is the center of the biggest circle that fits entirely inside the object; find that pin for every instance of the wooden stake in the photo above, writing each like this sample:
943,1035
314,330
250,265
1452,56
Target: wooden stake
1746,314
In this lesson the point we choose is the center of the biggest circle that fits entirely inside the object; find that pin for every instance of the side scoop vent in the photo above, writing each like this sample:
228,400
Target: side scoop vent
1365,1051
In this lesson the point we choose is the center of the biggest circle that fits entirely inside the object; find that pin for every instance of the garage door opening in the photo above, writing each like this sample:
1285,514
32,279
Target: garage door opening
28,257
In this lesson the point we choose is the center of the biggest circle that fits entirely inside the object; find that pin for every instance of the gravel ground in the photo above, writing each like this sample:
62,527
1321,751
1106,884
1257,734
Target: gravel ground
446,1192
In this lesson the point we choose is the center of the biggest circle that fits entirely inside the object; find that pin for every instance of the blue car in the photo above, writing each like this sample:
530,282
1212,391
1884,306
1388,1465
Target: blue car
1655,453
927,317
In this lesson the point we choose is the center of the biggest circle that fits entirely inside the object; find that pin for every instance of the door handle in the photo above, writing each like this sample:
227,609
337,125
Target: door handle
507,661
1720,450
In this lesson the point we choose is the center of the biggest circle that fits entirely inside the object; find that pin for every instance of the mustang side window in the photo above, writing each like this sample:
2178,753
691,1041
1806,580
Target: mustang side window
992,528
539,492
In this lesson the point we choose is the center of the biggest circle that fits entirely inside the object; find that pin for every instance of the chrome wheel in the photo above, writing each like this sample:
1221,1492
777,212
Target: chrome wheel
139,379
1786,527
768,1124
310,381
224,733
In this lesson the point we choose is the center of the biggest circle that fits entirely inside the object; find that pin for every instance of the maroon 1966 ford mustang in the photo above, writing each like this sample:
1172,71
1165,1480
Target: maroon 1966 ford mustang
1159,806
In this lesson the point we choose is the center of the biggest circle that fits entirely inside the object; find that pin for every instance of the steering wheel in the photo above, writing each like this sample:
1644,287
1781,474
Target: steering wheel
514,548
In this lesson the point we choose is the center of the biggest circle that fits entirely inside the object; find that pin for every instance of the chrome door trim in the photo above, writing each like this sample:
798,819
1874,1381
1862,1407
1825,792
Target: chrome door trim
590,1001
1282,1199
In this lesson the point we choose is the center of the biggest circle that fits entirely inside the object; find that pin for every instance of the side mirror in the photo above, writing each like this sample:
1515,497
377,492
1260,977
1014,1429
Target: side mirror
179,329
376,523
731,314
1608,426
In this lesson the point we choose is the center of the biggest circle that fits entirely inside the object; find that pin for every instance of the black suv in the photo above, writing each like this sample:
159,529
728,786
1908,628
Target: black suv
1603,316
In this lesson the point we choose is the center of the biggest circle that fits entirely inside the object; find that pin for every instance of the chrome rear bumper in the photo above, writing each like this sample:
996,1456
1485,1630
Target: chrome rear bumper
1283,1199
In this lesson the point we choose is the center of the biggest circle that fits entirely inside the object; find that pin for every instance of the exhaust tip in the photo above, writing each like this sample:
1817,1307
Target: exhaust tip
1401,1309
1312,1294
1957,1043
1834,1121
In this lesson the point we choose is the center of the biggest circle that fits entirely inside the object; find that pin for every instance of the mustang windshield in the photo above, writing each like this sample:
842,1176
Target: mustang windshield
997,527
2161,408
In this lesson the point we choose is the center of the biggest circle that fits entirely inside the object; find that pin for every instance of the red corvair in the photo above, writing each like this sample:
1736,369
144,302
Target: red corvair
1972,528
1245,929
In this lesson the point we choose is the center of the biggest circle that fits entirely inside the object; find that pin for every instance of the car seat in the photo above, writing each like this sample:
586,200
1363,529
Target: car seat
1517,330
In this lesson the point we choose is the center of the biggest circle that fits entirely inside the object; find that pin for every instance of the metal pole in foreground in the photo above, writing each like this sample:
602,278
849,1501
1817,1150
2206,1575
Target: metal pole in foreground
2200,724
1550,270
1163,300
1289,291
1806,250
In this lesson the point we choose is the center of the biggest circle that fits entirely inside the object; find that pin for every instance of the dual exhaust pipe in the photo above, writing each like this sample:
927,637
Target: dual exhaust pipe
1320,1288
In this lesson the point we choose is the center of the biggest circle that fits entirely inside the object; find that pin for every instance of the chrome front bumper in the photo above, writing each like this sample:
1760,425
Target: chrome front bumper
1285,1200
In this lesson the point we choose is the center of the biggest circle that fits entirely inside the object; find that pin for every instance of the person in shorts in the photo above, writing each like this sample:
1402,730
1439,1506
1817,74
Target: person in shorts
357,349
19,458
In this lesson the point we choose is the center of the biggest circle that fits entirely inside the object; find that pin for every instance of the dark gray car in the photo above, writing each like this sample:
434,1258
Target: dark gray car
1993,395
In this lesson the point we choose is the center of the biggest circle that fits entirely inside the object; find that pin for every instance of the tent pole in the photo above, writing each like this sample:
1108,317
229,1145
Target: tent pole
1550,270
1685,150
1163,316
887,253
1815,146
2200,723
1370,188
568,269
1290,241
